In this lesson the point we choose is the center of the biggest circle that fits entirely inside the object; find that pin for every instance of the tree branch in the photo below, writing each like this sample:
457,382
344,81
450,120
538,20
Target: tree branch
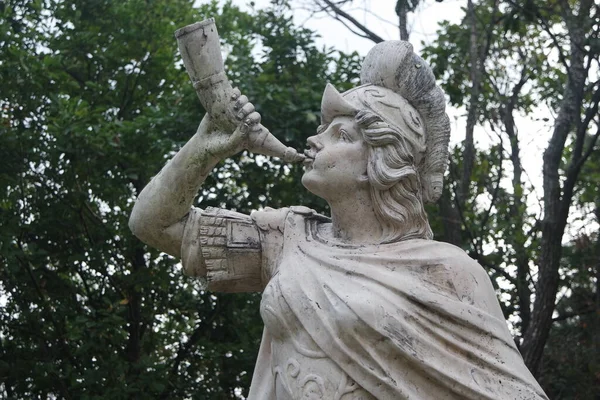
62,344
565,316
488,212
546,27
476,253
590,149
579,158
339,14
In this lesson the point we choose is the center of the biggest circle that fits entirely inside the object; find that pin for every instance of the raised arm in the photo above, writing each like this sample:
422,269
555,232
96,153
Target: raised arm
160,212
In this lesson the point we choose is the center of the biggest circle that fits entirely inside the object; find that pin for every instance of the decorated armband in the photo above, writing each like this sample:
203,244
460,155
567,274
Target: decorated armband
224,247
235,252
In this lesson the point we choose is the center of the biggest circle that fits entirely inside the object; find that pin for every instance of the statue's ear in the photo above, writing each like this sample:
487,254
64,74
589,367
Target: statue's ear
334,105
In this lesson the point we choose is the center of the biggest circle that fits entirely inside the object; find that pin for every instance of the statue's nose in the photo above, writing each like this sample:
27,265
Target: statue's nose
314,142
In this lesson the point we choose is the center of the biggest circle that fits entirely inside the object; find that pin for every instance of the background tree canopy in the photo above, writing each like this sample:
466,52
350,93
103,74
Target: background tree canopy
94,100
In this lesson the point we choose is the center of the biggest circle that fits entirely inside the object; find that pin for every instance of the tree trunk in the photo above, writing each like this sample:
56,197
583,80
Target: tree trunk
557,200
597,298
469,151
451,219
517,210
402,11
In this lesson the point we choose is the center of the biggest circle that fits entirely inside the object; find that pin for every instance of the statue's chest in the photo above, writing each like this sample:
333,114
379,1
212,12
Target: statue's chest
300,368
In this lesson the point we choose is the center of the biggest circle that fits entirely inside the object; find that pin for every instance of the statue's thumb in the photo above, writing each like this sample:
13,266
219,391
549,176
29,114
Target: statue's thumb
240,134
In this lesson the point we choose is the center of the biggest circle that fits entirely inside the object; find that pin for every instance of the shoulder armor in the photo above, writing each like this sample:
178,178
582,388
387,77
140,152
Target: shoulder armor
301,210
223,213
309,212
270,218
274,219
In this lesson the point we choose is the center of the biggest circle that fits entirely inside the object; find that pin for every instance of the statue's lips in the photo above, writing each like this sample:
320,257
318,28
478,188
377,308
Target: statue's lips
309,154
310,157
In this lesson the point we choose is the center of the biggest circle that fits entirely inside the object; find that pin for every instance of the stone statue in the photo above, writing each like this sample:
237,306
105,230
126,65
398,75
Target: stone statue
362,304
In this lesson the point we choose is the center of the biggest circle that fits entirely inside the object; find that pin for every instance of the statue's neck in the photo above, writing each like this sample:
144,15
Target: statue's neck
354,220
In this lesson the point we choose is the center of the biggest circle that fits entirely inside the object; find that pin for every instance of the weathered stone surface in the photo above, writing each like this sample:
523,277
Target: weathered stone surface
362,305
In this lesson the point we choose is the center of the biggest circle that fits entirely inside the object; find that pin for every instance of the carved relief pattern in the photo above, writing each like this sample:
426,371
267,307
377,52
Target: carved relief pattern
312,386
231,251
212,239
347,387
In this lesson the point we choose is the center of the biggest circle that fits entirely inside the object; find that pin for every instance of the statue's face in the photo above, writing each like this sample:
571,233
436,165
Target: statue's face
336,164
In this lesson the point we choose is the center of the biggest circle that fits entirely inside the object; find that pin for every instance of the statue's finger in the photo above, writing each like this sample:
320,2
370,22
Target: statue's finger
244,128
256,128
240,135
253,118
235,93
246,109
240,102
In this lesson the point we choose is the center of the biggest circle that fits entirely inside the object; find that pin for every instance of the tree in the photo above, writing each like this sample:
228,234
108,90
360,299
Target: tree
577,109
93,101
532,75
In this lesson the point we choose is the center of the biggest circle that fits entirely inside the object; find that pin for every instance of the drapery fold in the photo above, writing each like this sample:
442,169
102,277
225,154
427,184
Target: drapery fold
408,320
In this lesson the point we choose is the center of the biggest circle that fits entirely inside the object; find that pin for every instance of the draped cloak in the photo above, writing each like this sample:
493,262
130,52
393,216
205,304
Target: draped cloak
415,319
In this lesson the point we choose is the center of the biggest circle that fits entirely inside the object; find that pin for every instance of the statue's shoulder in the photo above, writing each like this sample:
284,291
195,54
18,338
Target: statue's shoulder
270,218
452,251
469,276
274,218
470,279
452,257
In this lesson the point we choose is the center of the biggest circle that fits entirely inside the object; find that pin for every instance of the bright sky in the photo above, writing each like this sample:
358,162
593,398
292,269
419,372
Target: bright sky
378,15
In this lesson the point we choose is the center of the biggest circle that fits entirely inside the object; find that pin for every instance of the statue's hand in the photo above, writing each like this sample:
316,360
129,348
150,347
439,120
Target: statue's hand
220,144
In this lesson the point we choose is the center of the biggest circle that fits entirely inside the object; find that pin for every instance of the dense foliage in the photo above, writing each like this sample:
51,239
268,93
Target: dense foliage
94,99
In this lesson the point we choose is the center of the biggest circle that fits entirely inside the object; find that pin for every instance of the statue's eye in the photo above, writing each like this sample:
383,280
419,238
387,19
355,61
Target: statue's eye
344,135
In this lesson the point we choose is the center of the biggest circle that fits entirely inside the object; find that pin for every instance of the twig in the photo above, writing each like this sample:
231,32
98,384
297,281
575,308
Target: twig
367,33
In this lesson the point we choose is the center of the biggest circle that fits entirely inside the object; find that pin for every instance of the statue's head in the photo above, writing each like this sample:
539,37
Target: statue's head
390,135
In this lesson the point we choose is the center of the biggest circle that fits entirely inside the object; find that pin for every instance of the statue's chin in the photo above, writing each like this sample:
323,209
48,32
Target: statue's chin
306,181
311,184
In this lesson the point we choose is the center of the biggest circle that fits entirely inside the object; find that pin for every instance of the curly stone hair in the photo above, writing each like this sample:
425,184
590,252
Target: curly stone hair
394,65
394,178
